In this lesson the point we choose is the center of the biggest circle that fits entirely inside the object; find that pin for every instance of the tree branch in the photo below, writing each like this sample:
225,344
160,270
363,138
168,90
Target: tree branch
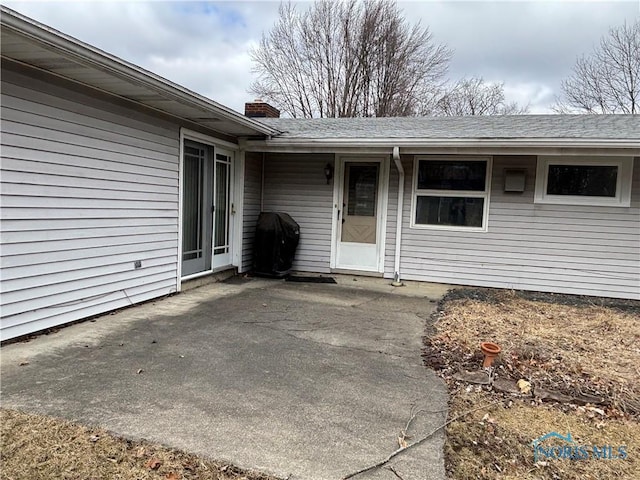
417,442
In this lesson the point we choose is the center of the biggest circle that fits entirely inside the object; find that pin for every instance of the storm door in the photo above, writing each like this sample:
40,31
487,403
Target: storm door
359,242
222,210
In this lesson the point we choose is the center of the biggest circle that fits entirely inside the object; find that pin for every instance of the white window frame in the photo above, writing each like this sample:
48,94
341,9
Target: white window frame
452,193
623,184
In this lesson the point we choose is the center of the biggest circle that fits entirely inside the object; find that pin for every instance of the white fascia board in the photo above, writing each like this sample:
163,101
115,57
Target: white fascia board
410,145
100,60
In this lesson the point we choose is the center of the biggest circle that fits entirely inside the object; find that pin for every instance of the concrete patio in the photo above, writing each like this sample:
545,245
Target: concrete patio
304,381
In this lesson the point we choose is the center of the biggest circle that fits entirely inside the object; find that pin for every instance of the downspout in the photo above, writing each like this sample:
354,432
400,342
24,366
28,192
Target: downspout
262,186
397,282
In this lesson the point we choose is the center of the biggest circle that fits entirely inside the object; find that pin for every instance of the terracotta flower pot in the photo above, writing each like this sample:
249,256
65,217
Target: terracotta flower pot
490,351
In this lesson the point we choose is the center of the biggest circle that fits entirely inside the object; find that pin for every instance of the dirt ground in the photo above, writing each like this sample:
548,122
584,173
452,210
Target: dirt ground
581,351
34,447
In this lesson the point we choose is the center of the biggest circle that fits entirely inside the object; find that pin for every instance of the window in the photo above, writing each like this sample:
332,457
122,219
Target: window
584,180
363,182
451,193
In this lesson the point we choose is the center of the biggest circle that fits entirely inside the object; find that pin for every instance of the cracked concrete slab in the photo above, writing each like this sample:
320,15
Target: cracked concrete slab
305,381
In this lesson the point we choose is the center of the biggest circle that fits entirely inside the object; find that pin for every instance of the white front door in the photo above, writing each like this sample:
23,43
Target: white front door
360,233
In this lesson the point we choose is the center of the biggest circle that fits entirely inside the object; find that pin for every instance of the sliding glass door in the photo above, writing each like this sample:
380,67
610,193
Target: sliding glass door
206,208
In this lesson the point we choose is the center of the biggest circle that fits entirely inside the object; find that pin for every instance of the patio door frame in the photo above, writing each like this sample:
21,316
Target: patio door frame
235,191
381,209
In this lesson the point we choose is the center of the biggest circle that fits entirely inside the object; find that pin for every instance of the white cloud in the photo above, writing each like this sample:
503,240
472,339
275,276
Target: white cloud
530,46
538,96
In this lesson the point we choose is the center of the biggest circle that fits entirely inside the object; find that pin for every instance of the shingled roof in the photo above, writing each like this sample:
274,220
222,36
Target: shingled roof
606,127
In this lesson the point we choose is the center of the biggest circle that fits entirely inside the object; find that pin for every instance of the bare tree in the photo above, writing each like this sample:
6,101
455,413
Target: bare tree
474,96
607,81
348,59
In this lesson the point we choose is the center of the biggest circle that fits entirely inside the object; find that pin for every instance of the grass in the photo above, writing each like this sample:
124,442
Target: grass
35,447
496,442
571,345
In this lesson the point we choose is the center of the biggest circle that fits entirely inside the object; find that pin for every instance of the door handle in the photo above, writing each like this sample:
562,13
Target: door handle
339,212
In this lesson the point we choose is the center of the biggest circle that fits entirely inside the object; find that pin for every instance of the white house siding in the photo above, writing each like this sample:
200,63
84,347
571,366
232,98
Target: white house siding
555,248
295,184
88,188
252,199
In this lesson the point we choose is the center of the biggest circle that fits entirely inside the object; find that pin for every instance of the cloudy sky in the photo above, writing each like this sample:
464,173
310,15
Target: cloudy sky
530,46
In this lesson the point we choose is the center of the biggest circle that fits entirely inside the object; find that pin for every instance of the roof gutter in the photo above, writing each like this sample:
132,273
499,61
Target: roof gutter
397,282
292,143
96,58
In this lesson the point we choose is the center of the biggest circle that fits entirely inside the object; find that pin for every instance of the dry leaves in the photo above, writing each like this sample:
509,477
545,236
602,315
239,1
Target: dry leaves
153,463
524,386
551,342
554,342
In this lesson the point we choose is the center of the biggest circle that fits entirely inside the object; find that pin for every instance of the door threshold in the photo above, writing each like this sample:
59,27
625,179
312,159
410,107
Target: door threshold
362,273
207,278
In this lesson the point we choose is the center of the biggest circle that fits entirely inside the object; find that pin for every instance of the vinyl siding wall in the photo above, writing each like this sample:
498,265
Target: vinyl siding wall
295,184
252,200
554,248
88,188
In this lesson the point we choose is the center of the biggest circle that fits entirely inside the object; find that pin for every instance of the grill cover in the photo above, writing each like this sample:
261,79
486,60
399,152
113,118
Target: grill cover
274,248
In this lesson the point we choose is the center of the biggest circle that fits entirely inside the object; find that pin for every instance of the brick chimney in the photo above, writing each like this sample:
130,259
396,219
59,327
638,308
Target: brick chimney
260,109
